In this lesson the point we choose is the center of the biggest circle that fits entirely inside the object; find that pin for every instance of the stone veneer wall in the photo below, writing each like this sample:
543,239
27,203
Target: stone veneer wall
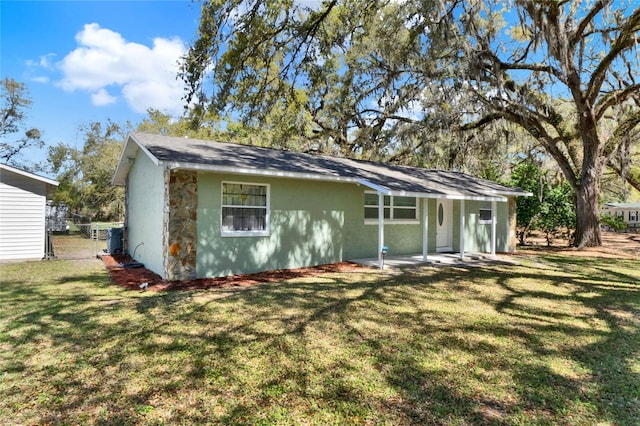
180,229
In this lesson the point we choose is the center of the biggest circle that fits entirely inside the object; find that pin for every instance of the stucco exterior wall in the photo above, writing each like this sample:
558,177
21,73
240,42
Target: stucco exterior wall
477,236
174,227
400,239
311,223
145,210
504,234
306,227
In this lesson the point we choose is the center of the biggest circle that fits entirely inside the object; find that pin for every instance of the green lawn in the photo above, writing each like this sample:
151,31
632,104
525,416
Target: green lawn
553,341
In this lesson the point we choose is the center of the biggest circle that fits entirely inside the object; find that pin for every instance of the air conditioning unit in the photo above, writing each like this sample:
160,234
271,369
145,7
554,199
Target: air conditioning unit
114,240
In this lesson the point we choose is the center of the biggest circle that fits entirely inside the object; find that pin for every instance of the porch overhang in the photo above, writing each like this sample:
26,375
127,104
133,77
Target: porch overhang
433,195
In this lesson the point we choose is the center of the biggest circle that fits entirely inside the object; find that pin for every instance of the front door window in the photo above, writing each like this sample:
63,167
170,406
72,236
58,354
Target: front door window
444,226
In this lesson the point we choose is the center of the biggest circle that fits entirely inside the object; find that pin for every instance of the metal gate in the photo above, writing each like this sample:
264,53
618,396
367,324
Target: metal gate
72,236
107,238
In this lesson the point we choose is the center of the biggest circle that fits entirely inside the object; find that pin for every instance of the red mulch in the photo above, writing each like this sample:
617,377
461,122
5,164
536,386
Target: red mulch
618,245
131,278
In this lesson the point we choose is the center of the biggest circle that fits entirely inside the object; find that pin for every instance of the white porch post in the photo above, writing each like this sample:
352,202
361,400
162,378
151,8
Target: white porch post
494,220
461,229
425,229
380,229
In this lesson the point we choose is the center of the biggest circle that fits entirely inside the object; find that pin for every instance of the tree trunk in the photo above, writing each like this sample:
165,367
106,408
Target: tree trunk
587,210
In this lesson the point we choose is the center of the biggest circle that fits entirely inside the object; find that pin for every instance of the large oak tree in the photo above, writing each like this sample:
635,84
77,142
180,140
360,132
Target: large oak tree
383,79
343,77
566,72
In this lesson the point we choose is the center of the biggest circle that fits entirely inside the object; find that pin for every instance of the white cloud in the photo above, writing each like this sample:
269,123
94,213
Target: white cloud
36,68
40,79
146,76
102,97
46,61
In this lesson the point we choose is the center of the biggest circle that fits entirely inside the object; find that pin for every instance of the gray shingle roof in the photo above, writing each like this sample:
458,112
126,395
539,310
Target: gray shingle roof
623,205
201,154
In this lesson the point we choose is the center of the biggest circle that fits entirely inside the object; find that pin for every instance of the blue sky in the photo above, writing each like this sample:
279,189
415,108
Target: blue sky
86,61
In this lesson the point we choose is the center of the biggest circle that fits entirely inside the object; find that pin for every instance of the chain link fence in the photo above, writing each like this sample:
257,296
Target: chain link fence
107,238
72,236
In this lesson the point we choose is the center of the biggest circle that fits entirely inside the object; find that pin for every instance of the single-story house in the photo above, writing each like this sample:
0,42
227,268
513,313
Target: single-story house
23,198
628,212
197,208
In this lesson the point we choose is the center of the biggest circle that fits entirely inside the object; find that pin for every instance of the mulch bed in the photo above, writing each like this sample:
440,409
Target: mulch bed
132,278
618,245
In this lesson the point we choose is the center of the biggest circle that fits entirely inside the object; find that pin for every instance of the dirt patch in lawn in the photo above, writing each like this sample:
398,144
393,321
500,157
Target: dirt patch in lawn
618,245
124,273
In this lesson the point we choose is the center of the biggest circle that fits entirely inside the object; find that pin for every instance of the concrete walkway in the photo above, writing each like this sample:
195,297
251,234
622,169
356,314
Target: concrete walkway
436,259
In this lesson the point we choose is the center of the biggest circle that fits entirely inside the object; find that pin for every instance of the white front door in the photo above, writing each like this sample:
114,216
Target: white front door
443,225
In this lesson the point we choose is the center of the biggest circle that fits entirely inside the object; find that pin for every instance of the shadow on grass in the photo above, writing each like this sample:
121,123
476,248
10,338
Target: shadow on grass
612,382
427,346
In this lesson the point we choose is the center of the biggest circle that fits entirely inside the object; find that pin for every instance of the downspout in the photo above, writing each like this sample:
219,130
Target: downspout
462,229
380,229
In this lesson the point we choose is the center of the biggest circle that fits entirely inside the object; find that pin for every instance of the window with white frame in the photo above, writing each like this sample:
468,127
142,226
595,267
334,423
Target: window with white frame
245,209
397,209
633,216
485,214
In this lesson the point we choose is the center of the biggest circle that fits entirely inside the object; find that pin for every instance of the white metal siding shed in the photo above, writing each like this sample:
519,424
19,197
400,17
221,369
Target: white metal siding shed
23,198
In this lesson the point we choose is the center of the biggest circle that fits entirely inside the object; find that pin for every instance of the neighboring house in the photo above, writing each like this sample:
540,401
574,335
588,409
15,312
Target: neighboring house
198,208
23,197
628,211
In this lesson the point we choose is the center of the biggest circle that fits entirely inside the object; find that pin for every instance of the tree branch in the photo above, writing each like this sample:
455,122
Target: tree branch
631,179
625,40
584,23
614,98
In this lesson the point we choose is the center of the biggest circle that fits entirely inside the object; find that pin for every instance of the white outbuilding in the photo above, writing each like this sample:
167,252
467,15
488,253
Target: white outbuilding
23,198
629,212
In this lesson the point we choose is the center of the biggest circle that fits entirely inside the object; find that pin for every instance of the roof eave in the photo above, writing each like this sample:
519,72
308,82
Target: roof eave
133,145
127,158
257,172
516,193
448,196
329,178
30,175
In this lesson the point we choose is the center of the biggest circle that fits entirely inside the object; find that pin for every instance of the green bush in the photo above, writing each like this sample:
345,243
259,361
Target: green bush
614,222
550,209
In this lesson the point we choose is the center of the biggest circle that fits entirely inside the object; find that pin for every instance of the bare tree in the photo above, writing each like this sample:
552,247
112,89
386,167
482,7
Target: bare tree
14,102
